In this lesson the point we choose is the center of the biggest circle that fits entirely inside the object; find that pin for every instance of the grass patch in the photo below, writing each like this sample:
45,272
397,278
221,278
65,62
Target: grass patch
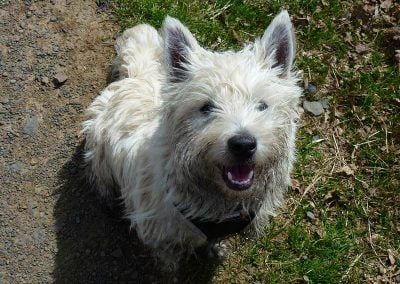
356,211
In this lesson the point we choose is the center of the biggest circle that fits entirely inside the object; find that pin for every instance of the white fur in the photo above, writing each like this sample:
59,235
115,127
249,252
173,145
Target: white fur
146,135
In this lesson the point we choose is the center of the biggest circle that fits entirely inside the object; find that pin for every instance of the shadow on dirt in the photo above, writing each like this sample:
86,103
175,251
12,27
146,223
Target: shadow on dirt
95,244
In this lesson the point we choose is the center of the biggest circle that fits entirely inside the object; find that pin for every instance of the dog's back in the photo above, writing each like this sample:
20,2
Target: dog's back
135,95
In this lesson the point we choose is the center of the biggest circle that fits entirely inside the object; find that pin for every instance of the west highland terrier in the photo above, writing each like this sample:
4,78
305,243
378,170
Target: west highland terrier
199,144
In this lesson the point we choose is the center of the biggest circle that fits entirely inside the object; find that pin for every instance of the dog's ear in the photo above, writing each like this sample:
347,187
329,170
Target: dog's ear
278,43
178,44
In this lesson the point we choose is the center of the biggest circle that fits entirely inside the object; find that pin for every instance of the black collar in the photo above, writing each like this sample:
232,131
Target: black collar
235,223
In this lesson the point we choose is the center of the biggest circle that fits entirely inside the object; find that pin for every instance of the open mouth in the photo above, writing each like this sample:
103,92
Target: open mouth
238,177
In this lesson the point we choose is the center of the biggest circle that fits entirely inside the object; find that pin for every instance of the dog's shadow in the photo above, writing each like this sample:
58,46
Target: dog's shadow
94,245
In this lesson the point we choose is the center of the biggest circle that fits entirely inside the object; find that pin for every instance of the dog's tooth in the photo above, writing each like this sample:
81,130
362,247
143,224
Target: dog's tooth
230,177
251,175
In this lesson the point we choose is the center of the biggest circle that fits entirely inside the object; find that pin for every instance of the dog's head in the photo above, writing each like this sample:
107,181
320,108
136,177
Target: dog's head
230,118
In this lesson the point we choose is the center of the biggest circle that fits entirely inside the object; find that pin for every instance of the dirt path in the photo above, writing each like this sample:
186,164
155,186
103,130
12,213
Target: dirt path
52,228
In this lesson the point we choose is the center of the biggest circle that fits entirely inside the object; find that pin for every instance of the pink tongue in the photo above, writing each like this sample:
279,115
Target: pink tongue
240,173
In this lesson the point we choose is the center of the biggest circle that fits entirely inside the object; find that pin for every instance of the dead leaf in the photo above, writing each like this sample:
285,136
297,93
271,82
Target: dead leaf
331,197
353,167
346,170
362,48
296,186
337,113
386,5
348,38
320,233
369,8
382,270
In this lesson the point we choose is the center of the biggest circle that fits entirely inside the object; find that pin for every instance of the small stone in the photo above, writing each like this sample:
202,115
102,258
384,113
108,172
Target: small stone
310,216
45,80
53,19
77,219
347,15
316,139
16,167
13,81
315,108
22,239
5,74
38,235
28,14
31,126
60,78
325,103
32,209
40,190
102,254
117,253
311,89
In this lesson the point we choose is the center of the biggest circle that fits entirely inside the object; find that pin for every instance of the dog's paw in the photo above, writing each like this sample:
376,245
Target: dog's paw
214,251
222,249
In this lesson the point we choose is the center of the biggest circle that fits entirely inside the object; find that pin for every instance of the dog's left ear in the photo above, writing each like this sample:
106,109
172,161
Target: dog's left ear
279,42
178,44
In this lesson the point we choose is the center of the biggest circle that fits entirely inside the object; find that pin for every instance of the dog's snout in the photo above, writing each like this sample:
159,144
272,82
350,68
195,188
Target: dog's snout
242,145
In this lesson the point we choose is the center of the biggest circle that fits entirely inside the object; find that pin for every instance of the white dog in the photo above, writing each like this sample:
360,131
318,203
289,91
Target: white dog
199,144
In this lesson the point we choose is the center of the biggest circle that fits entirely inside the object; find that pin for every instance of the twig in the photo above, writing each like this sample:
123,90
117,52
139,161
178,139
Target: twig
386,138
353,153
221,11
366,142
370,235
346,274
373,134
336,152
334,75
372,244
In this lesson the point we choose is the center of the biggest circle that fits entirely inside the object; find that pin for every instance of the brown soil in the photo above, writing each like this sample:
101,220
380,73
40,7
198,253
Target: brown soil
52,227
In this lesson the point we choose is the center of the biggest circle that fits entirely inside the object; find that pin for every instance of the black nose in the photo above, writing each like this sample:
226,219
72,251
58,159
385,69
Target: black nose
243,145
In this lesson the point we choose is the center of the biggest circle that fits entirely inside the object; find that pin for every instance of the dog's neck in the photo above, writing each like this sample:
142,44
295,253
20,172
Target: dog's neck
234,223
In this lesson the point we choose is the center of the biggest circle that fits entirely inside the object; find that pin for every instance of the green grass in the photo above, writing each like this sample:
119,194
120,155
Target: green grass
357,216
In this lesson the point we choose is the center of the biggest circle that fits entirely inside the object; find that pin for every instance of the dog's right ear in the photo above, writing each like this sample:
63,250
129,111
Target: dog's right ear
178,44
278,43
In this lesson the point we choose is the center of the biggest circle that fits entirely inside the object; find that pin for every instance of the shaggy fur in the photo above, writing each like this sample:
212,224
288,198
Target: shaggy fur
160,133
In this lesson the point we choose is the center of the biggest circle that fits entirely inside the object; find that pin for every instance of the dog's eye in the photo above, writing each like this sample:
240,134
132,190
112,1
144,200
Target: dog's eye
207,108
262,106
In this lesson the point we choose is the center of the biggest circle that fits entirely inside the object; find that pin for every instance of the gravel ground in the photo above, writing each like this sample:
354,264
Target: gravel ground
54,58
